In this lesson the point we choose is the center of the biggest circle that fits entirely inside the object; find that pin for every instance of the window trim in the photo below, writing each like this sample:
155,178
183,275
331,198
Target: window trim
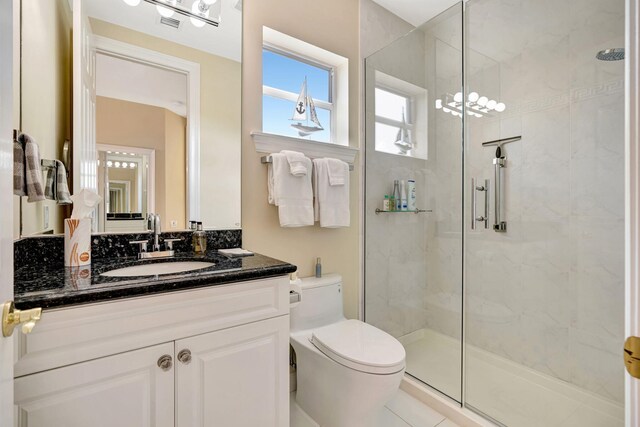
409,125
290,96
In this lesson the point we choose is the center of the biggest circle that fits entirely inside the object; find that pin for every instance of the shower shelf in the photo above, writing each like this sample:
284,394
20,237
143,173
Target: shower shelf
417,211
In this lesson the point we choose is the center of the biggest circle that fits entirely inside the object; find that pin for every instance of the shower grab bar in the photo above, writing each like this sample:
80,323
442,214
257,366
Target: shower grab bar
499,226
474,211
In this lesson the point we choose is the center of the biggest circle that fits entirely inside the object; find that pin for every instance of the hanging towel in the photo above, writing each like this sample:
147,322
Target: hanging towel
293,195
50,184
297,162
337,172
19,177
331,202
32,170
63,197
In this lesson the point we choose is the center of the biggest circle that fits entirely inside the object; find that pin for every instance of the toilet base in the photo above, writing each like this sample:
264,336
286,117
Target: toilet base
337,396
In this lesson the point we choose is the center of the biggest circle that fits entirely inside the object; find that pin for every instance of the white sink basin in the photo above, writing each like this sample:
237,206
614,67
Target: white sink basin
158,268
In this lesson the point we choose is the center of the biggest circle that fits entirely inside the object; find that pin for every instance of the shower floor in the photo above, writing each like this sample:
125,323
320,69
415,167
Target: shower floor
510,393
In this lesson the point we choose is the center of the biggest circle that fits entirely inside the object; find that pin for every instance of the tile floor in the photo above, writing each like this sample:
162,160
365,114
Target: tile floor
402,411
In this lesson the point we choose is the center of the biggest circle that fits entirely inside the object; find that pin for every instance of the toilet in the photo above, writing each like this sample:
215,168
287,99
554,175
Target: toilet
347,370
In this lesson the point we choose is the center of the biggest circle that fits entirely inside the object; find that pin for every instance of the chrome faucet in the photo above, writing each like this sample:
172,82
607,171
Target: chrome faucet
155,221
153,224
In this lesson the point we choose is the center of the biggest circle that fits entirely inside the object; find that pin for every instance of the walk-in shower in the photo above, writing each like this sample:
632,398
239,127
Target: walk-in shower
507,290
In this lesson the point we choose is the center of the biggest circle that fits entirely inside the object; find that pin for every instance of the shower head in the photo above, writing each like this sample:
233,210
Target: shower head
615,54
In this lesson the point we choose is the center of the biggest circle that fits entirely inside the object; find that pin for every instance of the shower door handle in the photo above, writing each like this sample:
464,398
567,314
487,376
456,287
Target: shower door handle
474,210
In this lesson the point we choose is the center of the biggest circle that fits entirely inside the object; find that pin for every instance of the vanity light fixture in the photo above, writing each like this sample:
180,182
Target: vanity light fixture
476,105
200,12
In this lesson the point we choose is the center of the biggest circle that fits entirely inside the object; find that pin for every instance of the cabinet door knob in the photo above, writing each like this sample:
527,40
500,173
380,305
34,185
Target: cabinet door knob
185,356
165,362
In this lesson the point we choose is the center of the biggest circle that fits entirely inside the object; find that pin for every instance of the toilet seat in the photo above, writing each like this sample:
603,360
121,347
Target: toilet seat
360,346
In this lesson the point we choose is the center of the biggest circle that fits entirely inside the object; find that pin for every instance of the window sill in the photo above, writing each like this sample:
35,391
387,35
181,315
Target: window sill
270,143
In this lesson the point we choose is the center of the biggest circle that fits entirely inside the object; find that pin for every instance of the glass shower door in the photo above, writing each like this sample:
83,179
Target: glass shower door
413,260
544,273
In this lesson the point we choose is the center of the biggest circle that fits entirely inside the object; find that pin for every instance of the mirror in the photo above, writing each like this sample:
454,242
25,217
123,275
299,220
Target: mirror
148,98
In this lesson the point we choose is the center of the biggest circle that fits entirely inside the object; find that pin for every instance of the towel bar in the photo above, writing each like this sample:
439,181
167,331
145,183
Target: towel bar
268,159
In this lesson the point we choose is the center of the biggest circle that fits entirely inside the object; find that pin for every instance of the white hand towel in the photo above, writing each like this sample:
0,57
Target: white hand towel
292,194
331,203
297,162
337,171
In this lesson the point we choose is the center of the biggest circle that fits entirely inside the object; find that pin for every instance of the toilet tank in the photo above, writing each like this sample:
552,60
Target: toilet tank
320,303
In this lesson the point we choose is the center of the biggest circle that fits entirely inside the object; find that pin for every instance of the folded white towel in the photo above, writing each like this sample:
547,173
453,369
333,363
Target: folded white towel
235,252
292,194
331,203
297,162
338,173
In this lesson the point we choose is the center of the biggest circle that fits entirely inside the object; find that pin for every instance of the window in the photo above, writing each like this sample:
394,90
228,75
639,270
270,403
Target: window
288,108
401,117
394,131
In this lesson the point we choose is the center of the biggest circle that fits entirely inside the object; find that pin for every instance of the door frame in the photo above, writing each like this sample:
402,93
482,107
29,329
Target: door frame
632,200
6,199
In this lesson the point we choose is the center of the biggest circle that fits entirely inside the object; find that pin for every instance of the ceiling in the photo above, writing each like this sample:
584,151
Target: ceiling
224,40
416,12
135,82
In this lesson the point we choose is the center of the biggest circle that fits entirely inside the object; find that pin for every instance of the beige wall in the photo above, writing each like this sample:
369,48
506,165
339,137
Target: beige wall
46,97
220,101
331,25
131,124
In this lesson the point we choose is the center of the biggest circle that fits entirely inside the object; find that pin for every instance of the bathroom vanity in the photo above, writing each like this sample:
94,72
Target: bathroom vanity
208,347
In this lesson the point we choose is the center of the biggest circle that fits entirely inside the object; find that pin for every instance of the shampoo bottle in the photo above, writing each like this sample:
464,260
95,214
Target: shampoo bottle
411,196
403,196
397,203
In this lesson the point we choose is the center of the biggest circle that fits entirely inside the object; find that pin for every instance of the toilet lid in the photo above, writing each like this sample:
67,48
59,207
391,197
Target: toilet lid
360,346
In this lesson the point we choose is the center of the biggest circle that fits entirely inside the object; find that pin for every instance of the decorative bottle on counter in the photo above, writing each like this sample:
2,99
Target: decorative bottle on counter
199,239
385,203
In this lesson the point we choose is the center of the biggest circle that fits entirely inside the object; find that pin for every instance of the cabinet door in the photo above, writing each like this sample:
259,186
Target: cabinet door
237,377
125,390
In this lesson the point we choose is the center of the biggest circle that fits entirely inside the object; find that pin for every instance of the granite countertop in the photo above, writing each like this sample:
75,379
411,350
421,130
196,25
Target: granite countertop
55,286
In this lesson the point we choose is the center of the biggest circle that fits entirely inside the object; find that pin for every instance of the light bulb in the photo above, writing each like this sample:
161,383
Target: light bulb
133,165
438,104
117,164
491,104
125,165
500,107
473,96
458,97
195,9
165,12
482,101
132,2
109,163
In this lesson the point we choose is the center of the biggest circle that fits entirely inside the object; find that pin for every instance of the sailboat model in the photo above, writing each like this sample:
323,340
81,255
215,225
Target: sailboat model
403,138
305,111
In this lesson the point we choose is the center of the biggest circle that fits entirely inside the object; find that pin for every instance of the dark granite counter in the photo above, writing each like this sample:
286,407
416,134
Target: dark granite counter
51,285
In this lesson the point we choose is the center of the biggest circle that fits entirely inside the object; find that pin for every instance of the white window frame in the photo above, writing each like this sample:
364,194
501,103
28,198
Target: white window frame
290,96
408,114
416,116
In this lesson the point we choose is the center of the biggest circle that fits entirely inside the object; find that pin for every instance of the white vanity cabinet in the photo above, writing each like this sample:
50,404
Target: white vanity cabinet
214,356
